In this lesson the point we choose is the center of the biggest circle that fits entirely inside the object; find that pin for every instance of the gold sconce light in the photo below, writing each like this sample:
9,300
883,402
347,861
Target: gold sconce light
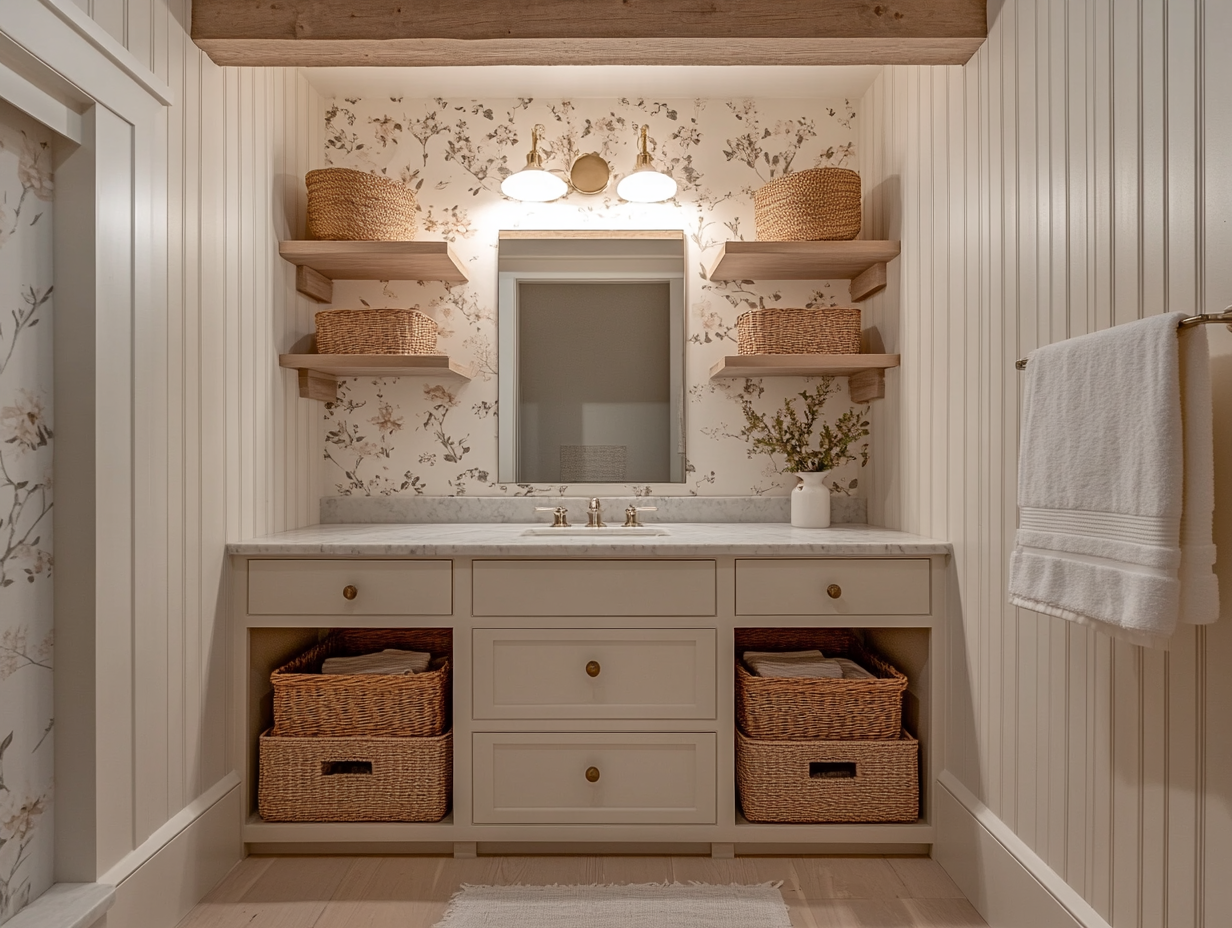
590,174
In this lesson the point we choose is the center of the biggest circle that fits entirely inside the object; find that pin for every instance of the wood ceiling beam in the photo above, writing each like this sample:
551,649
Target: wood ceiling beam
308,33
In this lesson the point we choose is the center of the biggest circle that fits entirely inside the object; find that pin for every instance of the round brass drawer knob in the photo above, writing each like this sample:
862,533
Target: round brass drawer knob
592,669
349,592
834,591
592,774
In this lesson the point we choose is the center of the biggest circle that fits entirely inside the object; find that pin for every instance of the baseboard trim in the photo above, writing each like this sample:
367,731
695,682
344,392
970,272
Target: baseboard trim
1007,882
170,830
66,905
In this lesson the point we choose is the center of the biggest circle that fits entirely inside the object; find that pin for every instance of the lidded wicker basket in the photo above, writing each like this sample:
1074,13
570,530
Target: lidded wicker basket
790,330
793,709
308,703
375,331
354,206
817,205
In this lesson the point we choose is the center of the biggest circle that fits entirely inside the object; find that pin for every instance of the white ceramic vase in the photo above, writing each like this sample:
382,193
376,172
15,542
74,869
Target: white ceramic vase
810,502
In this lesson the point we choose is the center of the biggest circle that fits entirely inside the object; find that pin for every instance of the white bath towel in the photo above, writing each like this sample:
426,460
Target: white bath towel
798,664
391,661
1106,469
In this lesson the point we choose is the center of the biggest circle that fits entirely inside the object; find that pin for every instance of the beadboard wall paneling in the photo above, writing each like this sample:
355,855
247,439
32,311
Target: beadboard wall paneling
231,450
1074,175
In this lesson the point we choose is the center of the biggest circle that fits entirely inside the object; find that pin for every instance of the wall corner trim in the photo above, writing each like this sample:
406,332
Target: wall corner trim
80,22
129,863
66,905
1066,897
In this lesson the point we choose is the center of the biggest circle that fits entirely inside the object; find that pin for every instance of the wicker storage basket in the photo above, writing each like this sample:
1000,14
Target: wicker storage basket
308,703
817,205
788,709
375,331
354,779
788,330
829,781
354,206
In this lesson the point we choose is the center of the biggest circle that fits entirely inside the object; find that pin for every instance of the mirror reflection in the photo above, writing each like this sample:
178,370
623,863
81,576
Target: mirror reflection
591,358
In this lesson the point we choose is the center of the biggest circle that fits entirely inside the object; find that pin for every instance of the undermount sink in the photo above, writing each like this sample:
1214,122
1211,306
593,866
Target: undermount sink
608,531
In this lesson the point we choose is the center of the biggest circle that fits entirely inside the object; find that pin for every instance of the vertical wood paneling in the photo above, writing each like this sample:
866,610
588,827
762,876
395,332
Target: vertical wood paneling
1076,174
225,447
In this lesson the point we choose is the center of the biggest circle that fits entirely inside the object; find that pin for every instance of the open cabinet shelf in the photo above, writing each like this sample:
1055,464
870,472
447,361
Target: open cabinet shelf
861,262
865,373
319,373
319,264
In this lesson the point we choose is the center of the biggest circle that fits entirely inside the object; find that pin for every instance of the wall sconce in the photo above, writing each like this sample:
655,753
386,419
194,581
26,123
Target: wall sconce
534,183
645,184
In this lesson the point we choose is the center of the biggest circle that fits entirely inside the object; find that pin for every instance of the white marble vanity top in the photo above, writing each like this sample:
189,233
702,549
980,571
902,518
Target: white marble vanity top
508,540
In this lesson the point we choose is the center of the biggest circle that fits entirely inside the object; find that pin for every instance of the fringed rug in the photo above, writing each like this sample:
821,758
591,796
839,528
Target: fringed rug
644,905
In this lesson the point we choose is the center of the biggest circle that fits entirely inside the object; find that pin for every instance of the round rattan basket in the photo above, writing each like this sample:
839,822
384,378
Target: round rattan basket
375,331
791,330
353,206
817,205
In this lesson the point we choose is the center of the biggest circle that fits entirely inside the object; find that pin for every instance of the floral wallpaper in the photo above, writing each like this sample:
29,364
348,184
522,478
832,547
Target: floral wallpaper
401,436
25,514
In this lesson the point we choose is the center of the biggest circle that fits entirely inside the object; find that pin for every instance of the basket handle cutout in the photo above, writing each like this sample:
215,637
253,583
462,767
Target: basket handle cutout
829,770
331,768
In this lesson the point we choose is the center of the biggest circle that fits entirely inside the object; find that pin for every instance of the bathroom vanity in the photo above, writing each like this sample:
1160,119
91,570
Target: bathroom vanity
593,675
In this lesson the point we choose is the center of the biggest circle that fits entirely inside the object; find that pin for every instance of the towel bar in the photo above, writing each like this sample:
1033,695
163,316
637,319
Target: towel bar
1187,322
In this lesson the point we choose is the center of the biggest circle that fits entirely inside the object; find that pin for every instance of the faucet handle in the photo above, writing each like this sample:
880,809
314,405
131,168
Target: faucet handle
631,519
559,514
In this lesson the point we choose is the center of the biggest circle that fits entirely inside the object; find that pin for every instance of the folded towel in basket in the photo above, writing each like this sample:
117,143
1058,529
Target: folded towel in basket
795,664
391,661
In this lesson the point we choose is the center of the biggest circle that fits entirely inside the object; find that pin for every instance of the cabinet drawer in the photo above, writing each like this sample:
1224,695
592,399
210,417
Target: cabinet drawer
593,587
802,586
594,673
661,778
305,587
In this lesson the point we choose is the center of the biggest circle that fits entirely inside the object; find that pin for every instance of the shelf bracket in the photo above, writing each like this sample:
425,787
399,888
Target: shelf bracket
313,284
871,281
867,385
314,385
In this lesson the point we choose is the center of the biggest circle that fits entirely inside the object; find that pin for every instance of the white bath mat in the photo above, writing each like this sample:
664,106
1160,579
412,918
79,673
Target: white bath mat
644,905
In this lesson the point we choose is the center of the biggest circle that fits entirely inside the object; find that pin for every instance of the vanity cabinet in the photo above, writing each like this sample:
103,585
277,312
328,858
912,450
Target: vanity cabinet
593,696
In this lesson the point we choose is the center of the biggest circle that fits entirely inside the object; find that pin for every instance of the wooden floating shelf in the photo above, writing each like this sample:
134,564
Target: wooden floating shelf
319,373
863,263
865,373
319,264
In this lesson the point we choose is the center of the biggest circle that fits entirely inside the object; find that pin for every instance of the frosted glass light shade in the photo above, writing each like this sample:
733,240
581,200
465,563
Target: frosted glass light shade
646,185
533,185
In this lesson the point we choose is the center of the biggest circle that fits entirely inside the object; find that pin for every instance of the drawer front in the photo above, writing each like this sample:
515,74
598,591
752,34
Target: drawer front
661,778
802,586
304,587
594,673
593,588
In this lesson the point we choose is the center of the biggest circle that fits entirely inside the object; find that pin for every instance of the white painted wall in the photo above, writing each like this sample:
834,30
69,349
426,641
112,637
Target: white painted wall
1074,175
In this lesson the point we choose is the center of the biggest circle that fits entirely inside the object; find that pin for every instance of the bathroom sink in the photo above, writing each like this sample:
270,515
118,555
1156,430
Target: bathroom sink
608,531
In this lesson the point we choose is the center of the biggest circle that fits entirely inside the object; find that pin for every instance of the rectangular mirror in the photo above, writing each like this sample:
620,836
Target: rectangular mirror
591,357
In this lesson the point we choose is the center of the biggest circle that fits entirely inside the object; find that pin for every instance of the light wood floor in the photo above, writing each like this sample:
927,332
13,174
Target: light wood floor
412,892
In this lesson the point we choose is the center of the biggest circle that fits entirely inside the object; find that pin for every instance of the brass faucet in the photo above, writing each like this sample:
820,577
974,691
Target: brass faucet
594,513
631,519
559,514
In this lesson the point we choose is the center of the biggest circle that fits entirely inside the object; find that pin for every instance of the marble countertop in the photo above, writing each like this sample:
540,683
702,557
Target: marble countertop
507,540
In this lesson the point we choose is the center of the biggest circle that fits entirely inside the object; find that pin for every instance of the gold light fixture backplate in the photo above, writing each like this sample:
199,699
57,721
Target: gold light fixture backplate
590,173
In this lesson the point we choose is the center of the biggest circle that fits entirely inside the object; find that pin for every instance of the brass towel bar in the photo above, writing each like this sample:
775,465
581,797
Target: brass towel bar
1187,322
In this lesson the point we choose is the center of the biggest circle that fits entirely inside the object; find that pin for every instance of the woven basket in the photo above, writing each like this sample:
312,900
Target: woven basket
375,331
354,206
818,205
789,709
308,703
829,781
354,779
788,330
